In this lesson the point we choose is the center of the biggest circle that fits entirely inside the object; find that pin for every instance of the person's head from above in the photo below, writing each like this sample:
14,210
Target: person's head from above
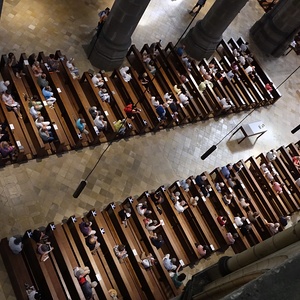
48,88
101,117
235,235
203,177
276,225
51,56
121,248
177,194
7,92
229,166
98,75
4,144
82,121
18,240
181,277
86,224
103,90
36,63
92,240
224,218
45,247
40,119
43,76
159,237
173,260
11,55
107,9
6,83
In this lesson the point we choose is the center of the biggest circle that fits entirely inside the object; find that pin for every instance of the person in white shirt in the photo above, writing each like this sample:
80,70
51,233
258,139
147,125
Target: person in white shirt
126,76
104,95
40,122
181,206
15,244
97,80
147,261
183,99
74,70
100,123
3,86
239,221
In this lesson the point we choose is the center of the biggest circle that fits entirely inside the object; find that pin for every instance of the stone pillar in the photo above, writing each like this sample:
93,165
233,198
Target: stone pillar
201,41
109,50
276,29
261,250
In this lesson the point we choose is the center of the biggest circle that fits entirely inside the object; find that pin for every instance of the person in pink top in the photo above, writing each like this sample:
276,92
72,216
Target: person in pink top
202,250
277,187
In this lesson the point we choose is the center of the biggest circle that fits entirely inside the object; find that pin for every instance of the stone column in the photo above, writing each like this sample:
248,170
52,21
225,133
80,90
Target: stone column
109,50
202,40
276,29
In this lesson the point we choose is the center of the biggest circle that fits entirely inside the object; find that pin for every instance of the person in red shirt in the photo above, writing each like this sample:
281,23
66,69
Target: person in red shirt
222,220
131,111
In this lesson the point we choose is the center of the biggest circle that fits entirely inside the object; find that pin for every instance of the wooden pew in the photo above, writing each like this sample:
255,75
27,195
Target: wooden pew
265,206
283,208
96,274
210,214
136,222
66,259
38,147
51,114
233,93
195,109
141,120
172,241
118,106
79,96
263,75
162,79
195,219
140,288
69,114
16,269
45,273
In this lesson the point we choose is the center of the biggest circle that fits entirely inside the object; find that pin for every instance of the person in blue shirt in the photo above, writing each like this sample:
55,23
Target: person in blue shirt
180,50
226,171
80,124
48,94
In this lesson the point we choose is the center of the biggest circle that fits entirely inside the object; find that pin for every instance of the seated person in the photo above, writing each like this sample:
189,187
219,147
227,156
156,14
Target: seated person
284,220
100,123
86,286
119,127
10,103
226,170
44,249
42,81
97,80
219,186
273,227
277,187
240,221
53,63
152,225
157,240
40,122
222,220
271,155
36,69
225,103
16,65
15,244
160,110
94,111
6,149
227,198
269,86
151,67
46,135
202,250
130,110
92,243
178,278
169,263
144,81
157,198
124,215
243,202
194,201
180,50
86,229
4,136
184,99
120,251
185,184
246,228
124,71
3,86
296,162
48,94
252,216
81,125
231,238
142,209
32,58
32,293
105,97
181,206
147,261
73,70
39,236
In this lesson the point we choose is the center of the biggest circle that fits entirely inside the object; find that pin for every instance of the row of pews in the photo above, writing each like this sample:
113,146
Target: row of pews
180,231
76,96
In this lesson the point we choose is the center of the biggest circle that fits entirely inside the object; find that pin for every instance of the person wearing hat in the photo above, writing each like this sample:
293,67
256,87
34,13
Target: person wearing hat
125,214
3,86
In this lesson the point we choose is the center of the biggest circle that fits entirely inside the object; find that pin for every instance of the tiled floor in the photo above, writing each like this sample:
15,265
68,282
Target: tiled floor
37,192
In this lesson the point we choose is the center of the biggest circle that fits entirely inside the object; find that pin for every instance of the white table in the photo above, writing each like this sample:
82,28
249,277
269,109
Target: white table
256,128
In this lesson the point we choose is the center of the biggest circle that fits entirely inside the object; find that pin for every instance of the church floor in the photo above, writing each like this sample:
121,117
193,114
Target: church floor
35,193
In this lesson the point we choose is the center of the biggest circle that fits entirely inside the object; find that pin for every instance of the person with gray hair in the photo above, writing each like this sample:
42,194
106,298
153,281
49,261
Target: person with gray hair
15,244
169,263
3,86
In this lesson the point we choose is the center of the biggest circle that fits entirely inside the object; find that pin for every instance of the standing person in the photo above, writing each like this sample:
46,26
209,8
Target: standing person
102,19
199,4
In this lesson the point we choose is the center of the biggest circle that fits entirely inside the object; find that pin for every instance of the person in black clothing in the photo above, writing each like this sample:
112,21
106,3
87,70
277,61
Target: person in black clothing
125,214
157,241
156,198
92,243
4,136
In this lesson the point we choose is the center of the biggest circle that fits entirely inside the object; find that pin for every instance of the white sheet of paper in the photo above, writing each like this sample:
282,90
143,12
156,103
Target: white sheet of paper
59,90
55,127
134,252
106,113
12,127
26,63
18,143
